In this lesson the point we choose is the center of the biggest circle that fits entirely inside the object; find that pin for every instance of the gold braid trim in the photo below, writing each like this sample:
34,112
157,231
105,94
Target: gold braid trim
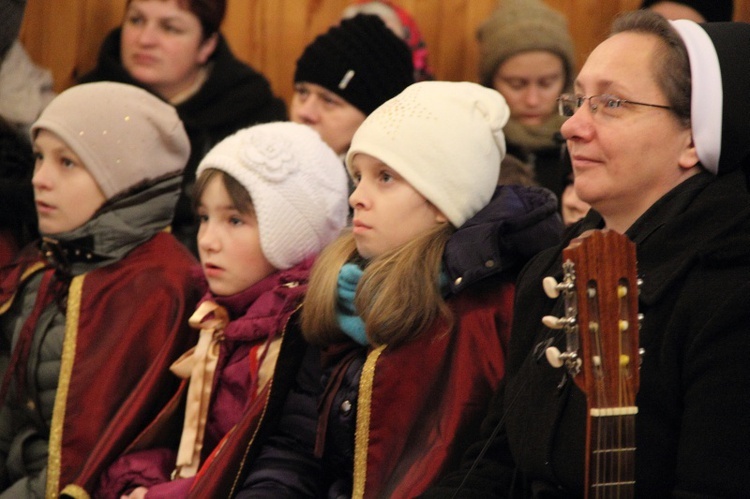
37,266
54,461
75,491
362,434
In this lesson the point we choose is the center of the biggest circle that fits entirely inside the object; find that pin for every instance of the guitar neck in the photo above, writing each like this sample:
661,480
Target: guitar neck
611,452
606,290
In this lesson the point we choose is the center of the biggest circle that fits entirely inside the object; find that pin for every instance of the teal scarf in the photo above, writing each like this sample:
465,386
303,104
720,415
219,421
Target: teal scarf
349,321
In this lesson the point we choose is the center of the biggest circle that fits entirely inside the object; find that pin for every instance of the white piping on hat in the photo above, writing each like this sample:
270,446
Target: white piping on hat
707,98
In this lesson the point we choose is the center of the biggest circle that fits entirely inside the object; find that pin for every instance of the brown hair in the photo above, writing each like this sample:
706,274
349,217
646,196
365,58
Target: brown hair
237,193
398,296
210,13
671,65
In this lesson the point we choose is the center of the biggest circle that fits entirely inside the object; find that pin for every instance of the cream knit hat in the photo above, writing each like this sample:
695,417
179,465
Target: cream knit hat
296,182
124,135
445,138
519,26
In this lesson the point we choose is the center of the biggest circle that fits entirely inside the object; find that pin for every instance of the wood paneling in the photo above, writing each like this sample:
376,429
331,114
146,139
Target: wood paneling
64,35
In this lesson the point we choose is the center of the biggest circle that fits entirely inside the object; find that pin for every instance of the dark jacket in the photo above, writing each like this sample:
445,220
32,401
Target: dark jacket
234,96
692,426
397,452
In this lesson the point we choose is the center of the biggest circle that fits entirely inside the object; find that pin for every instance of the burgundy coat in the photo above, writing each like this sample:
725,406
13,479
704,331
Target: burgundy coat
261,315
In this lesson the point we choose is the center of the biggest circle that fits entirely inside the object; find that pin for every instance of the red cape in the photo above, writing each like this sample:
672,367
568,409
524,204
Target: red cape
125,324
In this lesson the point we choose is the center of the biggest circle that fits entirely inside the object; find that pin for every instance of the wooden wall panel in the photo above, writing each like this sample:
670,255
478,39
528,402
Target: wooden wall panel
64,35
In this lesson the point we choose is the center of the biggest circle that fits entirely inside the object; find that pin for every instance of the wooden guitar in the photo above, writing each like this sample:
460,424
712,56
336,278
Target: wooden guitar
601,322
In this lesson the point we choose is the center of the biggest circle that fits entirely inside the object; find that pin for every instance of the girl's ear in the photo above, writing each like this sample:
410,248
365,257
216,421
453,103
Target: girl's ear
439,217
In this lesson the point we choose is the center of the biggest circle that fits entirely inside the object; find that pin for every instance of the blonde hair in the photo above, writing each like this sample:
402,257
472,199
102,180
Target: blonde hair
398,296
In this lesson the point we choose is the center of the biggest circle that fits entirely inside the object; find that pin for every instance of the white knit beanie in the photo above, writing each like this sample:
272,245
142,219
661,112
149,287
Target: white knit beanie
124,135
297,184
445,138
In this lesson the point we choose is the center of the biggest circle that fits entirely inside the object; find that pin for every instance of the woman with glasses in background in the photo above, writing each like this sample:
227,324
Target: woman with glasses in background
658,137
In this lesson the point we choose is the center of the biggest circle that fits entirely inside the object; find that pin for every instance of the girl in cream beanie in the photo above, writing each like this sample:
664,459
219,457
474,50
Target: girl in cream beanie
404,351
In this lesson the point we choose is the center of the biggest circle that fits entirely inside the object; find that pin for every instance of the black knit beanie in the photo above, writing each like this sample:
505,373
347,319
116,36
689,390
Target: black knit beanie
711,10
360,60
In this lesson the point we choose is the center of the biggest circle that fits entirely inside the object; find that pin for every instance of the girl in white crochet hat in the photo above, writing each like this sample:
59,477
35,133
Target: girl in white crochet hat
99,306
268,199
410,357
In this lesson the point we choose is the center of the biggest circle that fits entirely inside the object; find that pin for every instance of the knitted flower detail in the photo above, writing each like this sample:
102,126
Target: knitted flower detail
269,156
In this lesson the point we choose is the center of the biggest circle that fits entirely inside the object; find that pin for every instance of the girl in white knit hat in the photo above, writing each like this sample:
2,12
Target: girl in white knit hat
100,305
411,307
268,199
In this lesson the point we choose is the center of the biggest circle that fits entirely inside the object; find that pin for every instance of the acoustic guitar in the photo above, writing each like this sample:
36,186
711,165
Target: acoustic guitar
600,289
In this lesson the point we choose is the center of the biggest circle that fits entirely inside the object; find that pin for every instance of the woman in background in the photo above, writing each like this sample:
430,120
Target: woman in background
526,54
173,48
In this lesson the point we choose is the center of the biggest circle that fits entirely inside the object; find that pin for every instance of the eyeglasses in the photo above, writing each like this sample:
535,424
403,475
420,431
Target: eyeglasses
610,105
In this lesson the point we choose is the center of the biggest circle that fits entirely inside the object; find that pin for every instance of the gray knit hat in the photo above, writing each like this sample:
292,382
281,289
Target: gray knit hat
124,135
519,26
297,185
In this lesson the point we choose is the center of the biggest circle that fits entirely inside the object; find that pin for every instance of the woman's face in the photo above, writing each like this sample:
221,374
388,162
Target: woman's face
331,116
388,211
163,46
626,158
66,194
531,82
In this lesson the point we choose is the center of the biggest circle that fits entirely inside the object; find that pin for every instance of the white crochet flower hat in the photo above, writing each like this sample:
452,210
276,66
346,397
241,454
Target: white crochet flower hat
297,184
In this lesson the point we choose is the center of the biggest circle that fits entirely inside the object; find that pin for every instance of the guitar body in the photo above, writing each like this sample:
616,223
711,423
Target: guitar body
602,290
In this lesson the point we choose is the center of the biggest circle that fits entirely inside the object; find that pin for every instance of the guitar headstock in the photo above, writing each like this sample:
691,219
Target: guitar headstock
607,295
601,320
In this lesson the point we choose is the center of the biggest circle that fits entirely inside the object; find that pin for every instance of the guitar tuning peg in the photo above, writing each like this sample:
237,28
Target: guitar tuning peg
551,287
553,322
554,357
557,359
